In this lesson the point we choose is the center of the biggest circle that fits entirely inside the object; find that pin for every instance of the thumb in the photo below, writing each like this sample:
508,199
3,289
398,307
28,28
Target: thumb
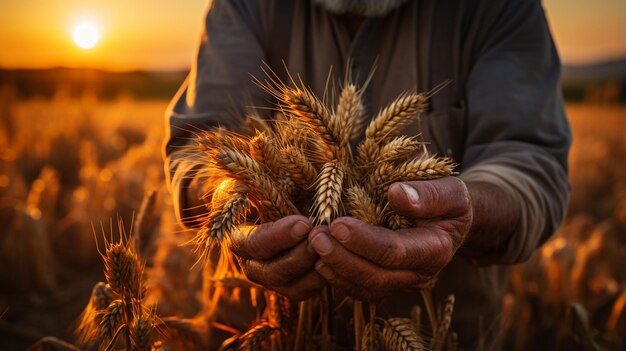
446,197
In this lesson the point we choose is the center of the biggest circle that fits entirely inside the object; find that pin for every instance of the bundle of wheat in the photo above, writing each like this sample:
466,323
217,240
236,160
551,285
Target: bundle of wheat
304,163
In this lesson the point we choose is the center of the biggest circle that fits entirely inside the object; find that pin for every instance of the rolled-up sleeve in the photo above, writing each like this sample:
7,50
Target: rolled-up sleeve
518,136
217,92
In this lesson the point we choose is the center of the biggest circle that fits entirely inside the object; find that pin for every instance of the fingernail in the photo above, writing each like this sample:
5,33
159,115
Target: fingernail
300,229
410,193
322,269
340,232
316,231
321,243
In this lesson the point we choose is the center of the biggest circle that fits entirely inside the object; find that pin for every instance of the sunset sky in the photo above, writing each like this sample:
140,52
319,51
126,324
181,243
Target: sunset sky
163,34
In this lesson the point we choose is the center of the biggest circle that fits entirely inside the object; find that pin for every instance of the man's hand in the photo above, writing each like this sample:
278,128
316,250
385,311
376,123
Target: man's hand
277,256
369,262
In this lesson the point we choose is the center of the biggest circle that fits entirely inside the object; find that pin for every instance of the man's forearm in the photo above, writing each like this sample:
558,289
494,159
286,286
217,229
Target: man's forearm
496,217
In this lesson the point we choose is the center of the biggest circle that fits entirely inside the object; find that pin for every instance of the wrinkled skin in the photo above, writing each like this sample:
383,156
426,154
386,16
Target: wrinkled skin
369,262
364,261
277,256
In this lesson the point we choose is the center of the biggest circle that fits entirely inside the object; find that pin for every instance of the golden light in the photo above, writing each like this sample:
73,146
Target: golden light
86,35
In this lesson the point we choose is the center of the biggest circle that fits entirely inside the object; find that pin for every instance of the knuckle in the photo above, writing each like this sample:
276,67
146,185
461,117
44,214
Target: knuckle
375,282
393,253
250,272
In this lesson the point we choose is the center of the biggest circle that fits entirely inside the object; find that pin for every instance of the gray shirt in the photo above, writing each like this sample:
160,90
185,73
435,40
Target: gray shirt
501,118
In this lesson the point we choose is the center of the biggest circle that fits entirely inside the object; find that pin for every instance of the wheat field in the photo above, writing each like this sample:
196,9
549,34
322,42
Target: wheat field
70,166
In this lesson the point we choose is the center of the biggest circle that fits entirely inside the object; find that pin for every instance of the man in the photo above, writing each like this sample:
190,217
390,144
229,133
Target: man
501,118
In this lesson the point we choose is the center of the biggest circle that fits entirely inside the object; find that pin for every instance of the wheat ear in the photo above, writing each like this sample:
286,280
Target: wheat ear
398,334
253,339
309,110
327,201
233,214
349,114
263,150
123,270
89,321
395,221
386,174
393,118
300,169
399,149
360,205
141,331
444,325
112,319
263,190
424,169
368,338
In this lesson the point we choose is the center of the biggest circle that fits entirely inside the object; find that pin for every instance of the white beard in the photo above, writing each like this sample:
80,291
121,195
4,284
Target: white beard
367,8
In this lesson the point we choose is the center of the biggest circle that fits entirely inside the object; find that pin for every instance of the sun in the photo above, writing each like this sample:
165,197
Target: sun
86,35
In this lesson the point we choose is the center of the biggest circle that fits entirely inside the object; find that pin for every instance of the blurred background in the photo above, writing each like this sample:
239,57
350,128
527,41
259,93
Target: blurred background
83,90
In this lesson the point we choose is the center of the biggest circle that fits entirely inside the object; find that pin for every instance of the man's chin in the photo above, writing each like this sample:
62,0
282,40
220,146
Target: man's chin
367,8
